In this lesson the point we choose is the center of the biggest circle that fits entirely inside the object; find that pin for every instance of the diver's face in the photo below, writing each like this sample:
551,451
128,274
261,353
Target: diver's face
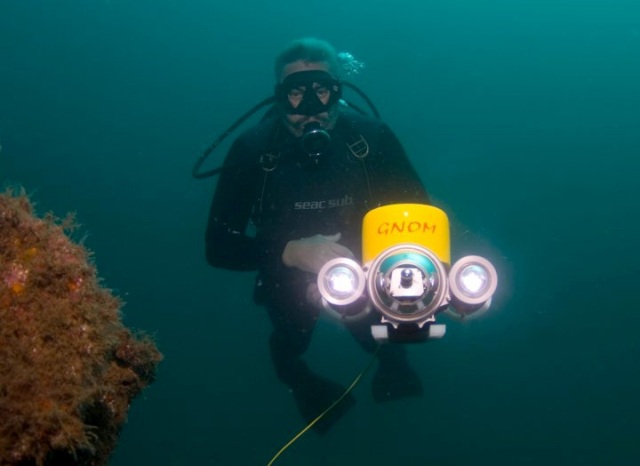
294,122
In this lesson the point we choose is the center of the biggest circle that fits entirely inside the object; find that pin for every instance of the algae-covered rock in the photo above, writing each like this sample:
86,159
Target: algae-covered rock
68,367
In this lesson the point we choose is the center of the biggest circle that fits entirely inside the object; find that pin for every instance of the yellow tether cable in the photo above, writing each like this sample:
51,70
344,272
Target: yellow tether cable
323,413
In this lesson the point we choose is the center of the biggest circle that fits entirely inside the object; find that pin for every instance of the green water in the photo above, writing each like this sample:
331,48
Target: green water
522,118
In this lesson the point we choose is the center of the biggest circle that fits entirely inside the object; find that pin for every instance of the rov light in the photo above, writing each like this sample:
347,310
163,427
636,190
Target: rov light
341,281
472,282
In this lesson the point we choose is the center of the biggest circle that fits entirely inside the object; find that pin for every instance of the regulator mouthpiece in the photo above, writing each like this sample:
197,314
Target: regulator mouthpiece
315,140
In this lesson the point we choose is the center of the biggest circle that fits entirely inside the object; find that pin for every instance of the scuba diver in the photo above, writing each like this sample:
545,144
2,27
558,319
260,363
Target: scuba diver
291,195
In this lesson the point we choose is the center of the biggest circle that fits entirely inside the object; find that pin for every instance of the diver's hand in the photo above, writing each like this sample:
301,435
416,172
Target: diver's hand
310,254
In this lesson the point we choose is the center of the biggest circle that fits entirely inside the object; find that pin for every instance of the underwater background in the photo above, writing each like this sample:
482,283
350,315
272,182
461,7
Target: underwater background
523,120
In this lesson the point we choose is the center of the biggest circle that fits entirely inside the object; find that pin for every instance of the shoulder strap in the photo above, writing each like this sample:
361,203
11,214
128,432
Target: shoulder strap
358,146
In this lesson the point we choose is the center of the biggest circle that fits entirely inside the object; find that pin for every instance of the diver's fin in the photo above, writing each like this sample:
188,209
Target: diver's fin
315,396
393,381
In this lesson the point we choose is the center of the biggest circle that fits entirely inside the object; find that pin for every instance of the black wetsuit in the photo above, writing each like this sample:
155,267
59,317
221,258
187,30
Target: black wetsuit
289,195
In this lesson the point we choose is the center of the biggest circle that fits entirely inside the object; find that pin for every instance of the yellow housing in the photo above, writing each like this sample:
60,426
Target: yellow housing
395,224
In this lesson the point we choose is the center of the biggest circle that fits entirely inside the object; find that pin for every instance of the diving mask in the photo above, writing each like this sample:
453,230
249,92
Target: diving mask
308,92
